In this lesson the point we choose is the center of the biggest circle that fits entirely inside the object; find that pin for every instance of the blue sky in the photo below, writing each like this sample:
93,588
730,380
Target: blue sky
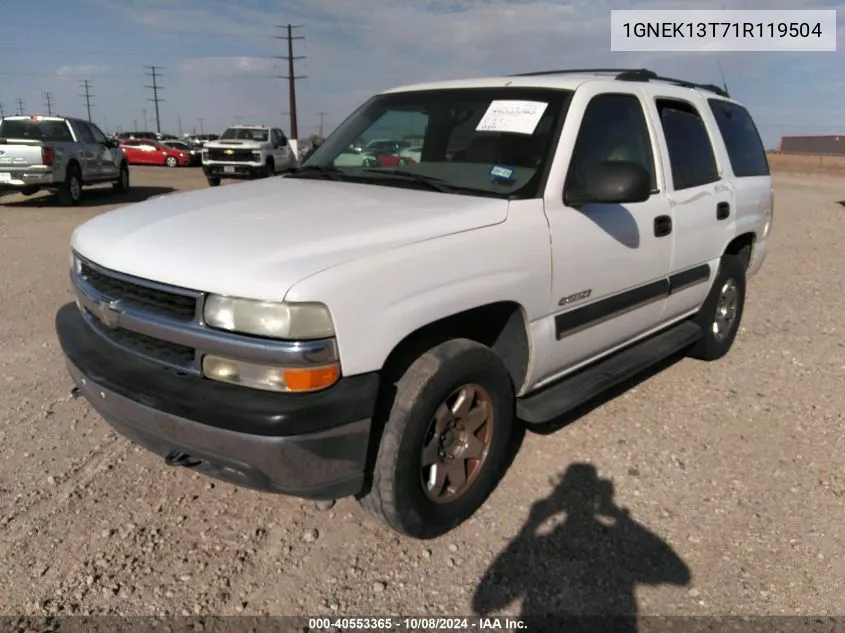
217,57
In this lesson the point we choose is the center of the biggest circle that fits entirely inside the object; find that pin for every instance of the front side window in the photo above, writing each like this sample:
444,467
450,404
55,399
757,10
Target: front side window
481,141
613,129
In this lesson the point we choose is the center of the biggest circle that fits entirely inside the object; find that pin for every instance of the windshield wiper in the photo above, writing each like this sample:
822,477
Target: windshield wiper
333,173
431,181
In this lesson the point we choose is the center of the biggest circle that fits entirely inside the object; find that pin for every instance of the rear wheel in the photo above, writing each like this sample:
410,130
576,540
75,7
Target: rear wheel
445,442
71,190
122,183
213,182
721,314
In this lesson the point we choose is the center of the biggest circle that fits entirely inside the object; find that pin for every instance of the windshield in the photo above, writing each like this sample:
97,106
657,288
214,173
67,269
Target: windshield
245,134
482,141
51,131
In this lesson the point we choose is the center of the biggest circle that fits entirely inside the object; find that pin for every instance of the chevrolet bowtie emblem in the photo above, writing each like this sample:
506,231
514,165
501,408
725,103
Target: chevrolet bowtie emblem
108,313
228,151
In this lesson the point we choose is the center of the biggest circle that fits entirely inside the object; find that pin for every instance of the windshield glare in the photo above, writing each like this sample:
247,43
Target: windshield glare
244,134
491,141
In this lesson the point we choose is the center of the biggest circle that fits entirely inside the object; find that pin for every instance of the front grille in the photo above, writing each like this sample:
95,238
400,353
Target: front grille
161,302
241,155
145,346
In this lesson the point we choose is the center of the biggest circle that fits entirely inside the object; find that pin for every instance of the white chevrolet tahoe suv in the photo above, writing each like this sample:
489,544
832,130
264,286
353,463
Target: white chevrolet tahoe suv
378,331
247,152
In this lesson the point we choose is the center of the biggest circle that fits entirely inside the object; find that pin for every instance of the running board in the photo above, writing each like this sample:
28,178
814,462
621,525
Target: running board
581,387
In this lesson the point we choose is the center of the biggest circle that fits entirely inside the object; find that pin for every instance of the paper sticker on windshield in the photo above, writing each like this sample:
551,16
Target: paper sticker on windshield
500,172
519,117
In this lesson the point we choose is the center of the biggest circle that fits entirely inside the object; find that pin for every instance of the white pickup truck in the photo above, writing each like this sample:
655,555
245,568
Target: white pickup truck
58,154
378,332
246,152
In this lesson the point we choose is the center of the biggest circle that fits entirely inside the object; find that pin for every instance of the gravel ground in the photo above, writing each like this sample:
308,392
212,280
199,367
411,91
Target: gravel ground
728,476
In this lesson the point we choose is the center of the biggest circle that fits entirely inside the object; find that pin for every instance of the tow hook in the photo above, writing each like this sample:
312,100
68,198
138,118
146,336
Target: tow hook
75,393
178,458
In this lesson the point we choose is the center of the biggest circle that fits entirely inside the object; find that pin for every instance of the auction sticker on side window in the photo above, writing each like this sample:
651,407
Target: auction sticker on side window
519,117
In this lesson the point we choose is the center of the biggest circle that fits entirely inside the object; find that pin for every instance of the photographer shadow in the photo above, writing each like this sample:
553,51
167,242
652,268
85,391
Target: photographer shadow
582,574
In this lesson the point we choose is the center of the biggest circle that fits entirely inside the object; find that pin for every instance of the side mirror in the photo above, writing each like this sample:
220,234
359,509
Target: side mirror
611,182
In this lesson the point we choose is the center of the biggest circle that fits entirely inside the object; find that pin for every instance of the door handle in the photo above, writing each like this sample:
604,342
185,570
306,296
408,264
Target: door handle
662,225
723,211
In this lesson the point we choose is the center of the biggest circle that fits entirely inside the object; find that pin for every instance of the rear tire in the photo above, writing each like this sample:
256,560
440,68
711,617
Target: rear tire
213,182
71,190
452,419
721,314
122,184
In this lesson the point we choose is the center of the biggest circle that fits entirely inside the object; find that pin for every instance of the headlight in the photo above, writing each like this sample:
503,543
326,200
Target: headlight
75,266
256,156
264,318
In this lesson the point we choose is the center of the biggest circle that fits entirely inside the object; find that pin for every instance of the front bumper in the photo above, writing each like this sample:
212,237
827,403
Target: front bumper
233,170
306,445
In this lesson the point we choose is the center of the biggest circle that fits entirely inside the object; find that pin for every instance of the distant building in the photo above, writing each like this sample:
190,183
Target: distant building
829,145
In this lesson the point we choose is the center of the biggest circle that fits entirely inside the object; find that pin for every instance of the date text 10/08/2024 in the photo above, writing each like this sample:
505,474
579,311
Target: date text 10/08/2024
416,624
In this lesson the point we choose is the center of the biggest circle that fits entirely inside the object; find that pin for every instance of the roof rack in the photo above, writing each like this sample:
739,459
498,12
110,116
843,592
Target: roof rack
631,74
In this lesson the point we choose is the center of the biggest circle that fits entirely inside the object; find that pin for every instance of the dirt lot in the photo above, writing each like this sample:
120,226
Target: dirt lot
733,473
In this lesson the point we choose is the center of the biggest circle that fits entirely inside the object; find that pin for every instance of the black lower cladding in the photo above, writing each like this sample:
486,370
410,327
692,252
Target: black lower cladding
579,318
213,403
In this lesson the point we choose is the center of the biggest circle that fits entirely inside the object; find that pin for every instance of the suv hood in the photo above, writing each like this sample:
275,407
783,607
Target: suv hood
257,239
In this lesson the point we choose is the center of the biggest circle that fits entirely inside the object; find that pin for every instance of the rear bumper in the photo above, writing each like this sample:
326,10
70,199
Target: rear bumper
23,179
312,446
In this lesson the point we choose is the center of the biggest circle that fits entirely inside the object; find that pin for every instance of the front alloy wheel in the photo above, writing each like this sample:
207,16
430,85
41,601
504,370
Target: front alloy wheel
446,440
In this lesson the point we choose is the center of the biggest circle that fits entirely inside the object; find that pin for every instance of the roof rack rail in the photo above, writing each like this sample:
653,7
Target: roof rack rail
571,71
649,75
629,74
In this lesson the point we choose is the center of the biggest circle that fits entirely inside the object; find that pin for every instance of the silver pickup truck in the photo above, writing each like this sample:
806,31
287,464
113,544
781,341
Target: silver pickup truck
61,154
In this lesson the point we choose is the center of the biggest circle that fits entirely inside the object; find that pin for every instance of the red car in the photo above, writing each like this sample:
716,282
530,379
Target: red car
141,151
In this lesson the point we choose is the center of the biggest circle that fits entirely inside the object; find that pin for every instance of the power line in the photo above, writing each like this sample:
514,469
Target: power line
155,88
48,101
20,106
86,86
291,76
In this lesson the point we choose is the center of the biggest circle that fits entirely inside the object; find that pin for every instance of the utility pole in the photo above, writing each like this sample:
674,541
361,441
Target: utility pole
201,121
2,111
87,96
322,114
291,76
180,127
135,124
20,106
48,98
154,73
144,111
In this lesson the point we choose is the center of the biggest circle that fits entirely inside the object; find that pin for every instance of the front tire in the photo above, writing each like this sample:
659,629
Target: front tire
171,161
213,182
269,169
721,313
445,442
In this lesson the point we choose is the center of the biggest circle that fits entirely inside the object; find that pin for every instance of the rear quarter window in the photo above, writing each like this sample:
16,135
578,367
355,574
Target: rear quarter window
742,140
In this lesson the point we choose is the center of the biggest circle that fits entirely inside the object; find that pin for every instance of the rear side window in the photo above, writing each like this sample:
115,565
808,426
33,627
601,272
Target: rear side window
691,155
49,131
742,140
